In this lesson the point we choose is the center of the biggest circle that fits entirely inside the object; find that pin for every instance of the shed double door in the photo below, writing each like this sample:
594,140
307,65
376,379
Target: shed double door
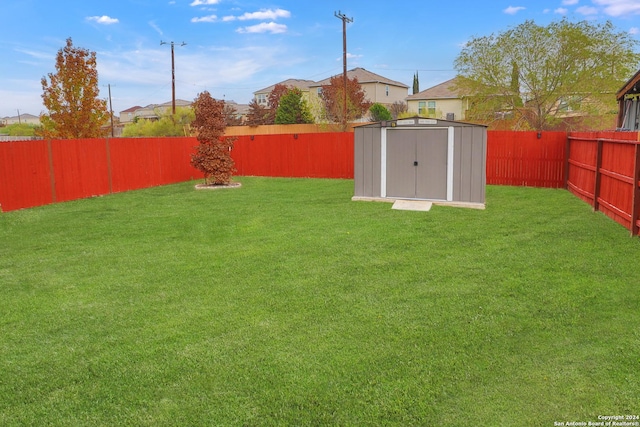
417,163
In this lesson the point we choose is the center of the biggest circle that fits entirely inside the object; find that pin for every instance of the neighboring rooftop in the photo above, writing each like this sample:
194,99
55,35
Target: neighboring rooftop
444,90
298,83
363,76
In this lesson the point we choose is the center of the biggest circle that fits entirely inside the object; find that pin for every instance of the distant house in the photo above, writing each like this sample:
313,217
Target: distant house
376,88
128,115
154,111
26,118
262,96
149,112
443,101
241,110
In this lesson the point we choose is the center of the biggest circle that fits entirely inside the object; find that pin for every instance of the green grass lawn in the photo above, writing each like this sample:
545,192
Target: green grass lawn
285,303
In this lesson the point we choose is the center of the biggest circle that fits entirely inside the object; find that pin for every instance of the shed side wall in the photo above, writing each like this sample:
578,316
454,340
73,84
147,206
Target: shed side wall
367,162
470,164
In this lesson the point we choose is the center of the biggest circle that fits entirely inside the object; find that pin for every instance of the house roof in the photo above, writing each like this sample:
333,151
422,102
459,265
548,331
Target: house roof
179,103
444,90
242,109
23,116
297,83
363,76
630,86
131,110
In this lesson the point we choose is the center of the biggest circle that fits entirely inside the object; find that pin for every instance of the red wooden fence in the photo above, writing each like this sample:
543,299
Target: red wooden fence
604,171
529,159
34,173
313,155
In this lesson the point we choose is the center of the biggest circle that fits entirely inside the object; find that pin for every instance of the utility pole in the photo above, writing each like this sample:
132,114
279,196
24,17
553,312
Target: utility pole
173,77
344,19
110,109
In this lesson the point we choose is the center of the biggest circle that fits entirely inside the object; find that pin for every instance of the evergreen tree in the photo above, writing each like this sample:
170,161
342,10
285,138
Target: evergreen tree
379,113
292,108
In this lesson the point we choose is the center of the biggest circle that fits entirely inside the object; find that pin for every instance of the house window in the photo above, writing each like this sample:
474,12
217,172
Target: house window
422,107
261,99
386,89
431,108
319,91
569,104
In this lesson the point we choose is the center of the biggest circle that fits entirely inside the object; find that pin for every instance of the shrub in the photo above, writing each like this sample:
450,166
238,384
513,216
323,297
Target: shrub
213,154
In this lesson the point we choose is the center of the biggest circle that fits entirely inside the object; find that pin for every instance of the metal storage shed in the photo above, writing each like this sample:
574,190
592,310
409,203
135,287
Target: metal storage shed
421,159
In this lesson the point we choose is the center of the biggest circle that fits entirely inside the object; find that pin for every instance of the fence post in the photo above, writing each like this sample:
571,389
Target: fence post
567,155
596,189
109,173
635,204
52,172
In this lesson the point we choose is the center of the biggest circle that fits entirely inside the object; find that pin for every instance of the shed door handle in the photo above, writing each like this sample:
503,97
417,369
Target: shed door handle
415,163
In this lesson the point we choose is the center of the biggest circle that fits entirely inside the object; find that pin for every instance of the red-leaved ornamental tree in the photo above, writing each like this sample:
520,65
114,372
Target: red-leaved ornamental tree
213,154
333,97
71,96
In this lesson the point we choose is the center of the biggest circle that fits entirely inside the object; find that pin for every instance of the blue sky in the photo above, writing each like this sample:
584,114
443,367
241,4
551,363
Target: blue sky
235,47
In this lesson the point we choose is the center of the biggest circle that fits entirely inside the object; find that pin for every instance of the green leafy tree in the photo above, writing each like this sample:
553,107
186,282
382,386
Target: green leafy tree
20,129
530,71
166,125
71,96
292,108
213,154
416,83
379,113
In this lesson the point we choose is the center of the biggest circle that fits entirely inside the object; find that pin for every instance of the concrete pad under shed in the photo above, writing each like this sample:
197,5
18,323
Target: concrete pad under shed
412,205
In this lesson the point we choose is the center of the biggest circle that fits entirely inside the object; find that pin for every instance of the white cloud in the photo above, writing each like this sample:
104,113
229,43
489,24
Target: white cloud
512,10
350,56
619,7
155,27
143,76
204,2
263,27
209,18
228,18
35,54
561,11
570,2
587,10
106,20
266,14
634,30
